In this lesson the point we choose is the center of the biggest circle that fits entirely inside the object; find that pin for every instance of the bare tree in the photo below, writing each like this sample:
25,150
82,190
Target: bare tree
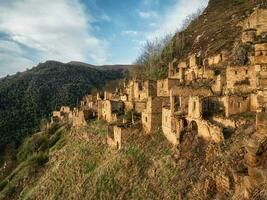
149,64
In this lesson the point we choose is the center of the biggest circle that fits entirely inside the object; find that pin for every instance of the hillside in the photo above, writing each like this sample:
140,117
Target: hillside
79,164
214,31
199,134
28,97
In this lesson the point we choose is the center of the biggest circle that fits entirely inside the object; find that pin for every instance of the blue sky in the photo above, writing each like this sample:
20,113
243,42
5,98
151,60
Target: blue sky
93,31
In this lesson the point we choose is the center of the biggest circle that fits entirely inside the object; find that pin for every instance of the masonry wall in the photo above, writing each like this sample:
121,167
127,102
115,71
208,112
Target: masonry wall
168,127
164,86
195,107
109,108
152,116
236,104
173,71
140,106
260,53
128,106
65,109
78,118
234,76
249,36
258,20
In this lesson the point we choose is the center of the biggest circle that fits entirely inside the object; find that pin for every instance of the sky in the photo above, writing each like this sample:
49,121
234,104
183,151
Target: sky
92,31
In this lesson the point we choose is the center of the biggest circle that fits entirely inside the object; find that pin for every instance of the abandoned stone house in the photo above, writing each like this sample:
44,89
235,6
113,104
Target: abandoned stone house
62,115
217,59
164,86
236,77
75,117
116,135
151,116
78,118
196,97
89,104
109,110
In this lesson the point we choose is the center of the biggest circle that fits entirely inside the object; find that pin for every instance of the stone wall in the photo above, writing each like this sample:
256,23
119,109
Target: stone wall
128,106
249,36
78,119
208,131
188,91
195,107
65,109
173,70
152,115
114,137
164,86
139,106
257,20
215,60
195,61
236,104
168,127
236,76
218,85
108,108
260,53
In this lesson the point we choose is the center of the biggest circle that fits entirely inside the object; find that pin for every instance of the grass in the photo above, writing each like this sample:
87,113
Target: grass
89,167
143,169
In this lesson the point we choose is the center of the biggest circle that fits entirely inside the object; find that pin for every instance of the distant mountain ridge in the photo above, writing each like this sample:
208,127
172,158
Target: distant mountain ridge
103,67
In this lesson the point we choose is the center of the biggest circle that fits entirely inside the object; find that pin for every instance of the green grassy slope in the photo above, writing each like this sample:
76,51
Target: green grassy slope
78,164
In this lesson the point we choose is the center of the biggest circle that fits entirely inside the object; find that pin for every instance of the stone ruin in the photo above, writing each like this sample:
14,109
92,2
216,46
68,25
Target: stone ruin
195,96
201,94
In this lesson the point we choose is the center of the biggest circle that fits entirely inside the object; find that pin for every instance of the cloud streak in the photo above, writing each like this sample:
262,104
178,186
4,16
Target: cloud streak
59,30
147,14
174,16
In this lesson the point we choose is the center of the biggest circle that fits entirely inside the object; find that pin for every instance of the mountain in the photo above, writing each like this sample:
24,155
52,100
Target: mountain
28,97
117,67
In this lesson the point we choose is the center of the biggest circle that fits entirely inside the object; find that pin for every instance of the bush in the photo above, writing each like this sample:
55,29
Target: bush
35,144
54,127
238,2
3,184
54,139
43,124
241,53
11,189
39,159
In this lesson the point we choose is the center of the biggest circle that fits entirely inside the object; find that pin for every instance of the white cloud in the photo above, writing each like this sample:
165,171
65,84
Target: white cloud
150,2
130,32
147,14
12,58
58,29
174,17
105,17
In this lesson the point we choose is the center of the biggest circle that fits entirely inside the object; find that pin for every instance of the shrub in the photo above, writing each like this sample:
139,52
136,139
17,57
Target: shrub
39,159
238,2
54,127
241,54
54,139
37,143
3,184
43,124
11,189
